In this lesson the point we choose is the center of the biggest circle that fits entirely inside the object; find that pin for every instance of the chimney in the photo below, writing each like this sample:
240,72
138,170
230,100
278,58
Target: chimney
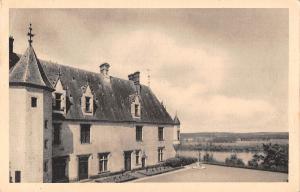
11,44
135,77
104,68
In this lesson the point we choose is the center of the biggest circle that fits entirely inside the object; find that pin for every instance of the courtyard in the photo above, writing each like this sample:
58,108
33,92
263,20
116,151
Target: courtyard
214,173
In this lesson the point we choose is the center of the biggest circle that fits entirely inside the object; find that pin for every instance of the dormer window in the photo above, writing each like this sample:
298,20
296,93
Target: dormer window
87,104
135,106
87,101
136,110
59,98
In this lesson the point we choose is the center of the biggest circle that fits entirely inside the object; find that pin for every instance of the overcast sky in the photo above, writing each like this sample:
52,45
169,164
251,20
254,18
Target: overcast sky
220,69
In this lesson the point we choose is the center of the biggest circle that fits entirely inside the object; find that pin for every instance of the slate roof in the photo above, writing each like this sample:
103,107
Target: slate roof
111,99
28,71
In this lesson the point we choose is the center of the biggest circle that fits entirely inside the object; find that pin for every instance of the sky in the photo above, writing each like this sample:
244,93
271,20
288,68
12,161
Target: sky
223,70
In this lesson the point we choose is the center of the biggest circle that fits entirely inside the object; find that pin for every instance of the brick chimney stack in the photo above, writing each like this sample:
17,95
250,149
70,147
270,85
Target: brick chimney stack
104,68
135,77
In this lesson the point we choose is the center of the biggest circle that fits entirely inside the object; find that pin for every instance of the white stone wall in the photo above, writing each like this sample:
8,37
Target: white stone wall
26,133
115,139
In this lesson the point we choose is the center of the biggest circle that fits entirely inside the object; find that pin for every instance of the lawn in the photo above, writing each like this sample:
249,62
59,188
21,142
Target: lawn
214,173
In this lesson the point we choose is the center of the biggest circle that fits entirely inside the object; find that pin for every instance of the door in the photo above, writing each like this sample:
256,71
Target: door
83,168
17,176
127,160
143,161
59,169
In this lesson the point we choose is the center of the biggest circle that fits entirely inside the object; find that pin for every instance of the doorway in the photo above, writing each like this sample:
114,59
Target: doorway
59,165
83,167
127,160
143,162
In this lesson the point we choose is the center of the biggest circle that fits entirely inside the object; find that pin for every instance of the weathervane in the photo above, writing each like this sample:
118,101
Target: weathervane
30,35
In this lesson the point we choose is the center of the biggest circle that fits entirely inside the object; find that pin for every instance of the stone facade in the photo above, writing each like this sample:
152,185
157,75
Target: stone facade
113,139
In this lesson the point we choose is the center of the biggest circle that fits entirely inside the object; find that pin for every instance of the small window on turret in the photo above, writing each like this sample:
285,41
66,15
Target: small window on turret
33,101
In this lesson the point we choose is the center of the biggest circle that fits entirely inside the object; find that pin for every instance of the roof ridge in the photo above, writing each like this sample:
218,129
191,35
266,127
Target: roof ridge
80,69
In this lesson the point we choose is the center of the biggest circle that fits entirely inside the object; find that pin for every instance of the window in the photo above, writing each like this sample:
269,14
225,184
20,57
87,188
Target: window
178,135
56,133
46,144
58,99
87,104
136,110
46,124
139,133
46,166
87,101
33,101
160,154
137,157
103,161
17,176
160,133
85,133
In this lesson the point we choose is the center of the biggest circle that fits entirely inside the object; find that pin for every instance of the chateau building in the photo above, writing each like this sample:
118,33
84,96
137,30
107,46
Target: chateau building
68,124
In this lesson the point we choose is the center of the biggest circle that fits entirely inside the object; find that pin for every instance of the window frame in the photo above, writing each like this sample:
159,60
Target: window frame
46,144
45,168
139,133
161,135
33,102
18,175
137,157
88,108
46,124
57,139
85,136
160,153
58,101
103,162
136,110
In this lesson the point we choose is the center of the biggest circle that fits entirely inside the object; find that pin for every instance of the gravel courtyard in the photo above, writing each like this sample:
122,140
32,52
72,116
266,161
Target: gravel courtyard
213,173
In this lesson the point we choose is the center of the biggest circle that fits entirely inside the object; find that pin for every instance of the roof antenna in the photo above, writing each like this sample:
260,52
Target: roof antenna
30,35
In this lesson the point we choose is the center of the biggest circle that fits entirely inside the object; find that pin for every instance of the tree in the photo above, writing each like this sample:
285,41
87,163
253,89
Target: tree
273,156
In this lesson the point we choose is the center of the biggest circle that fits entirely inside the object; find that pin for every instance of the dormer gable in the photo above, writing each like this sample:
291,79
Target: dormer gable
135,105
59,98
87,101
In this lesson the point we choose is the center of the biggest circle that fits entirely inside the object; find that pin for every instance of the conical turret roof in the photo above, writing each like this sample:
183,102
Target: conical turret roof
29,72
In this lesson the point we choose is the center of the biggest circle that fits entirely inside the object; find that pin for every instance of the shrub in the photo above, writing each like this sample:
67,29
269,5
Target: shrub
208,158
234,160
179,161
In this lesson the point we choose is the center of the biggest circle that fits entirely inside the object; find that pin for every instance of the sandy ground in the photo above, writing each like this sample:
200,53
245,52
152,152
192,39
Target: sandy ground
213,173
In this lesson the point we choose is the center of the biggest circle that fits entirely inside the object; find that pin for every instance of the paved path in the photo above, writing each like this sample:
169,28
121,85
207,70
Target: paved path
214,173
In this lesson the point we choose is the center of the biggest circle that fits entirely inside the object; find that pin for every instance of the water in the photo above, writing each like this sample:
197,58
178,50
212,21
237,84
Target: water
218,156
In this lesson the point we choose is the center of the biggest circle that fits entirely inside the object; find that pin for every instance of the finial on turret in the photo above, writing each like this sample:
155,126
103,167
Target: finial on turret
30,35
